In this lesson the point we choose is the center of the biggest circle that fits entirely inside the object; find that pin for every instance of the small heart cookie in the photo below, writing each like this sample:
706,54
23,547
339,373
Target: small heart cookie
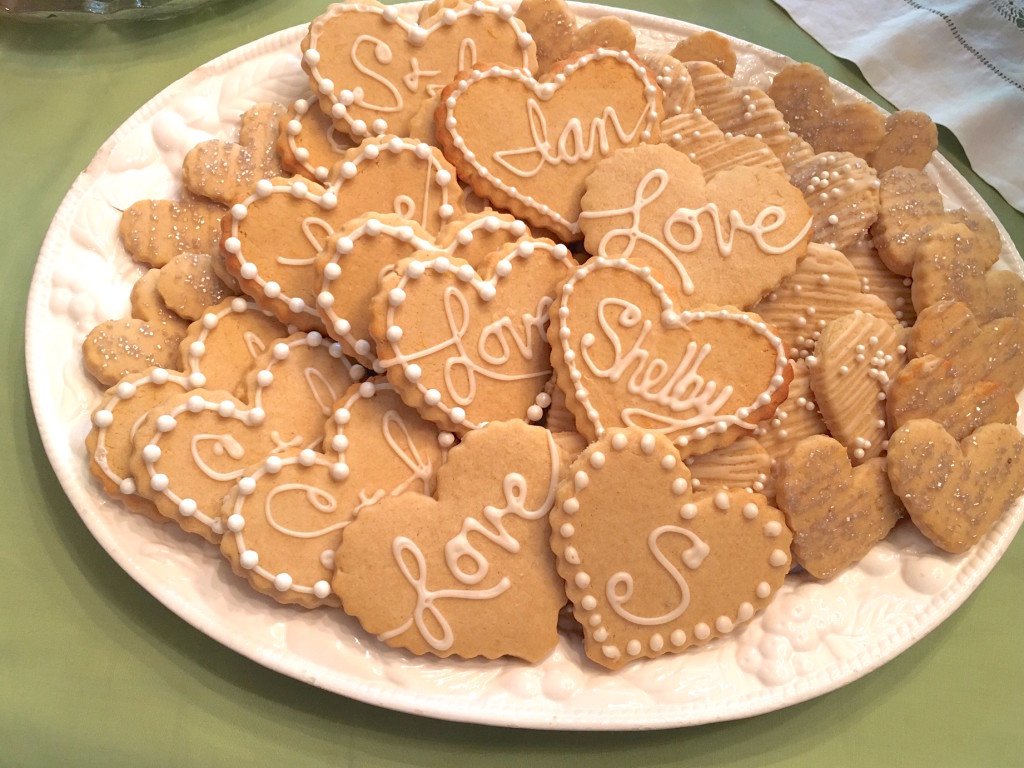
837,512
626,357
147,304
189,285
727,242
527,145
825,286
928,388
955,491
155,231
993,351
225,171
371,67
707,46
116,348
652,568
705,144
744,465
877,279
911,139
557,33
470,573
841,190
284,518
464,349
855,358
308,142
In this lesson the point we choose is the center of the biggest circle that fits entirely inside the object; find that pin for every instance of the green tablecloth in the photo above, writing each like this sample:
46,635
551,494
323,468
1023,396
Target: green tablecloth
95,671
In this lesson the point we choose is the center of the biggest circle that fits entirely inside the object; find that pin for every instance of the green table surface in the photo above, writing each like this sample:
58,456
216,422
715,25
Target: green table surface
94,671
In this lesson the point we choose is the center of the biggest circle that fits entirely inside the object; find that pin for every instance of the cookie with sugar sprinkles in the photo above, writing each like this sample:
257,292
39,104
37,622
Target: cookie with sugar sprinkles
155,231
148,304
371,67
273,236
956,490
464,345
117,348
855,359
837,512
308,142
224,171
842,192
652,567
285,517
825,286
188,285
626,357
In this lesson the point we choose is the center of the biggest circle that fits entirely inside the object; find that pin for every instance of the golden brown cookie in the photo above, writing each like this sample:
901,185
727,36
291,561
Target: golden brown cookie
707,46
624,356
188,285
371,67
464,349
729,241
308,142
155,231
876,278
955,491
910,140
285,517
117,348
705,144
744,465
669,569
226,171
527,145
855,359
558,35
480,579
842,192
837,512
147,304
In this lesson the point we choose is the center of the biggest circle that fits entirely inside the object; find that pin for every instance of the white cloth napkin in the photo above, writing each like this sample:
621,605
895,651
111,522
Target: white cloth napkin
960,61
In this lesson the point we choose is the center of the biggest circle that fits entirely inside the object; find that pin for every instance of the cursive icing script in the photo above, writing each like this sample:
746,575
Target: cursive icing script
573,144
619,588
492,529
692,400
671,245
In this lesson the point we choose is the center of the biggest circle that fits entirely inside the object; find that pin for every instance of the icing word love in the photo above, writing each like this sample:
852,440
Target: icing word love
725,241
492,529
372,68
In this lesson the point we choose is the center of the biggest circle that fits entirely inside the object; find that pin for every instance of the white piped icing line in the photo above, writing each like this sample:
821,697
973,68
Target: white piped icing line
369,55
438,180
293,133
198,349
500,341
576,141
704,399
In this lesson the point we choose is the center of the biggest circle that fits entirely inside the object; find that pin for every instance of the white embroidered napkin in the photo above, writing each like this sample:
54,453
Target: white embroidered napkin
960,61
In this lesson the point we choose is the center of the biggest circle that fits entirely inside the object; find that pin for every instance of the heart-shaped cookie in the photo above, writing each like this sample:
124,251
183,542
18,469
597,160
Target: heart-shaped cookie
650,567
155,231
308,141
744,465
371,67
993,351
707,46
272,237
837,512
727,242
354,258
284,518
855,358
116,348
955,491
190,450
469,573
928,388
464,349
705,144
225,171
877,279
557,34
527,145
147,304
626,357
841,190
188,284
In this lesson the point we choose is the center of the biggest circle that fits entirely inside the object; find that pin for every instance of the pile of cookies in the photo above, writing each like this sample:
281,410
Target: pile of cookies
505,314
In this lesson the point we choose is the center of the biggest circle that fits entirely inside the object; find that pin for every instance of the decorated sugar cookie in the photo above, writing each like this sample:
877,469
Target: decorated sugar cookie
189,285
876,278
744,465
707,46
155,231
705,144
272,237
371,67
626,357
667,569
837,512
191,449
464,349
149,305
527,145
729,241
841,190
478,579
308,142
116,348
285,517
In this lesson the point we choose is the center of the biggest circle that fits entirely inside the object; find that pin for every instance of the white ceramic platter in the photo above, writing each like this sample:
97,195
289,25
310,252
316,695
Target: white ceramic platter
812,639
